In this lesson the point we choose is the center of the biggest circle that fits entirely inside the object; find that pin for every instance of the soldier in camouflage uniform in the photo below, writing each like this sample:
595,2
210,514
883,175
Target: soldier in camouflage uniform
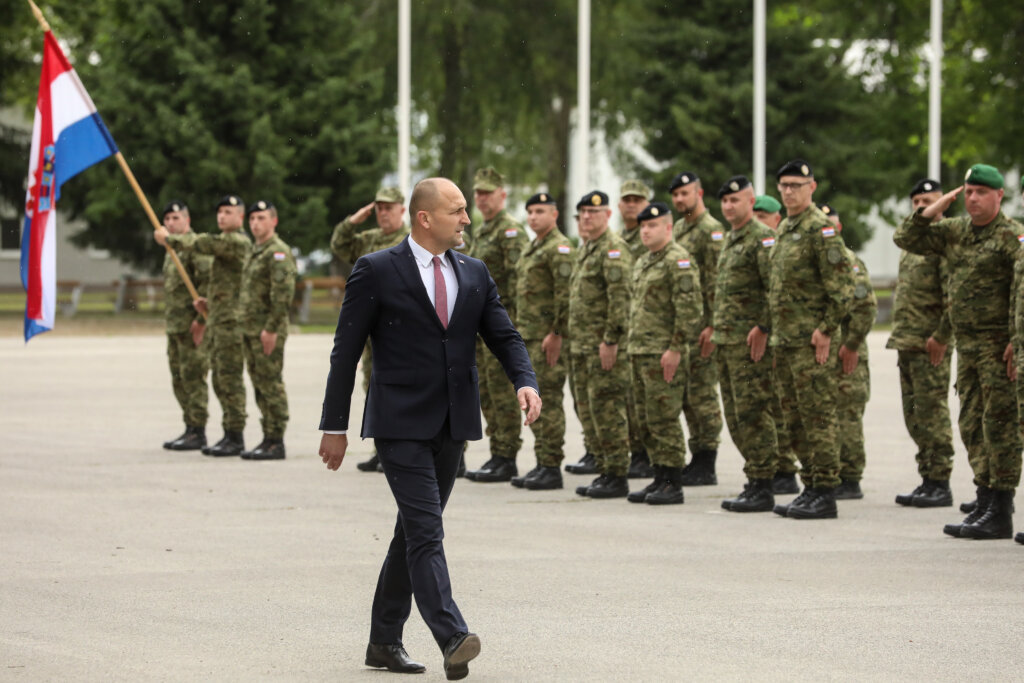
921,333
811,289
982,250
498,242
598,318
348,243
853,373
666,314
268,288
186,354
741,325
230,250
542,318
701,235
767,210
588,463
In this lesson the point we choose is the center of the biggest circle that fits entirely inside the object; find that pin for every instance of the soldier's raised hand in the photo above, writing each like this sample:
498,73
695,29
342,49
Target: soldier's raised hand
940,205
362,214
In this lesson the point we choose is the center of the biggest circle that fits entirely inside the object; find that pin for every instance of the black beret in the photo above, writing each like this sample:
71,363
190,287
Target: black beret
828,210
734,184
796,167
595,198
925,185
684,178
654,210
261,205
230,200
174,205
541,198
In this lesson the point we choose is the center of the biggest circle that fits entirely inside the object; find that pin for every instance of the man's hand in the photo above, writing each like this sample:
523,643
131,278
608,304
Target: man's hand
758,342
362,214
529,403
202,305
552,348
332,449
936,351
669,364
707,347
821,343
937,208
1011,369
607,353
849,359
269,341
197,329
160,235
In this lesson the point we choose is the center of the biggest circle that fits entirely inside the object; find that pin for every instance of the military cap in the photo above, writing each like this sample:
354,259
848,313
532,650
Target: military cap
796,167
654,210
390,195
684,178
174,205
635,188
230,200
734,184
488,180
595,198
261,205
983,174
829,211
925,185
541,198
767,204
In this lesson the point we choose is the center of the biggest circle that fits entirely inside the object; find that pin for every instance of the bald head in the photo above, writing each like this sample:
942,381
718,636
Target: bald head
438,214
425,196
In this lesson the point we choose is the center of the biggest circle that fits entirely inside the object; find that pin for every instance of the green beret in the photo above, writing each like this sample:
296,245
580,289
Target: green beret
487,180
595,198
175,205
635,188
390,195
654,210
767,203
983,174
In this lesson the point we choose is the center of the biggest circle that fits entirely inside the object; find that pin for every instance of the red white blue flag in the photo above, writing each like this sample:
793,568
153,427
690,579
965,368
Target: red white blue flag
68,136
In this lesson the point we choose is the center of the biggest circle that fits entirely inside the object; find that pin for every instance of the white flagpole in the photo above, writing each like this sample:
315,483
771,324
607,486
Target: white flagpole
404,89
935,95
582,156
760,58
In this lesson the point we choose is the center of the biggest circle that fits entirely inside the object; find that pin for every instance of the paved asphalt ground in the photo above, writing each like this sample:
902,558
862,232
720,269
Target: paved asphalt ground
122,561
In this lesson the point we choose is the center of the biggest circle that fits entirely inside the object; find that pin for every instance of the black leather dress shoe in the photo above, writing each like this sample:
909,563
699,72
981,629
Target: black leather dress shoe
369,465
393,658
546,479
494,470
461,649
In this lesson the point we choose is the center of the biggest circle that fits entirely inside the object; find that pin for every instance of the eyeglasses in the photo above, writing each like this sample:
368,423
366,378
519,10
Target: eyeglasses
792,187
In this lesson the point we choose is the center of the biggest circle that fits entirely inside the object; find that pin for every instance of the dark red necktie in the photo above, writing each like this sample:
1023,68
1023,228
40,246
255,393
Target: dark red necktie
440,294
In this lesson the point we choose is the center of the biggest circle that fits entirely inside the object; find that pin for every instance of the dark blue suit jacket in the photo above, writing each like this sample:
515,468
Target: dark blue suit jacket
422,372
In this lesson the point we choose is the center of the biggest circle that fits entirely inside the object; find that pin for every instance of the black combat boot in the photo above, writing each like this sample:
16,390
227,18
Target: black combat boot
494,470
671,490
982,502
935,495
519,482
969,506
640,496
609,486
270,449
546,479
805,495
246,455
701,470
907,499
586,465
369,465
821,506
640,466
995,522
848,489
756,497
193,439
582,490
232,444
1019,537
785,482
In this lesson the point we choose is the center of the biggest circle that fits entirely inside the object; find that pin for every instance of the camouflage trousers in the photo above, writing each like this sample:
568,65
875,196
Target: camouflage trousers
227,367
498,403
266,373
785,459
988,413
637,434
658,405
854,392
700,402
580,409
925,391
600,394
189,366
549,429
747,398
808,394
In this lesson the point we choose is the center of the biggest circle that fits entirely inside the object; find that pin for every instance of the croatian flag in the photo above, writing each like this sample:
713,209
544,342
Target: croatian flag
68,137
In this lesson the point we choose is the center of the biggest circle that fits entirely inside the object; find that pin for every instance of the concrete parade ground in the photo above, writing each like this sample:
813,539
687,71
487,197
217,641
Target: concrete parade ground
122,561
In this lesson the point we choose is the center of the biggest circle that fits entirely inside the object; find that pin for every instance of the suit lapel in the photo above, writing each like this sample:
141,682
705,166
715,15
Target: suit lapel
408,270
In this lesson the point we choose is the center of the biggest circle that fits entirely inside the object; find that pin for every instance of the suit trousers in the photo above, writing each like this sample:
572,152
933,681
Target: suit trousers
421,475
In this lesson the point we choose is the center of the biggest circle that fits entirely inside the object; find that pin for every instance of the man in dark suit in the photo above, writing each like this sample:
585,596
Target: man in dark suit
422,305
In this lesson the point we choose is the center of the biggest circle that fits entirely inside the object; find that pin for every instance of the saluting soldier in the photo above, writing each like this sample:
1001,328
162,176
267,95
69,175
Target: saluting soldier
666,314
810,294
542,318
982,250
268,288
598,319
498,242
921,334
701,235
186,354
741,325
230,250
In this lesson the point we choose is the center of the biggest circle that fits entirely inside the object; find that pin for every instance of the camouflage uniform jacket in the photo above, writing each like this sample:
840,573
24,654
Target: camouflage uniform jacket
230,251
599,294
812,281
498,243
741,288
348,244
863,309
981,263
632,240
178,309
920,303
703,238
268,288
542,287
666,306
